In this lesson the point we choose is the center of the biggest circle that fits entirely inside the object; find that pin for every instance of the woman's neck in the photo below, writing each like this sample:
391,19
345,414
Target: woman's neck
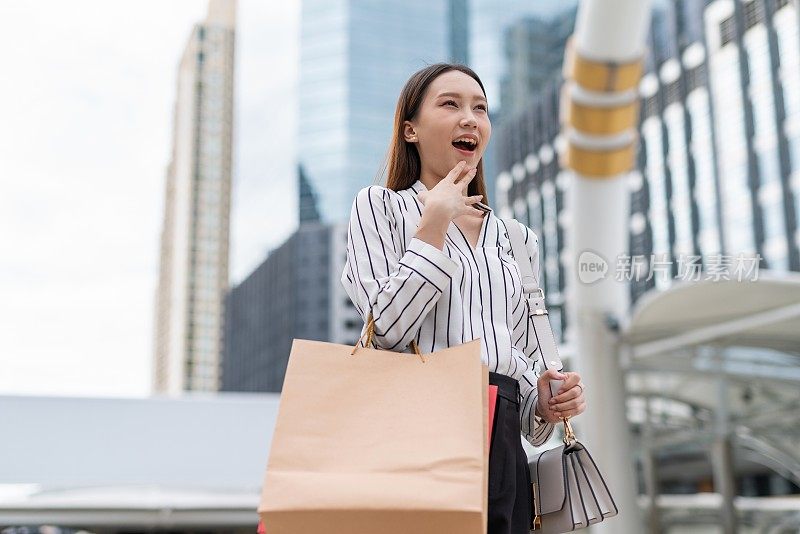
428,178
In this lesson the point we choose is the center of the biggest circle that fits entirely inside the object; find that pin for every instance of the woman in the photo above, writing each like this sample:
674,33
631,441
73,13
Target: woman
433,264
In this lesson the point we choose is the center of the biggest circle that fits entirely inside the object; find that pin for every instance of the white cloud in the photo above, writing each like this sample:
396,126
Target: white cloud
86,107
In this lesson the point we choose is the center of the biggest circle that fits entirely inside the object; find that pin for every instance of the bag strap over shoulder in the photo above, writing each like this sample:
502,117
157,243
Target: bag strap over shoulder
535,297
520,250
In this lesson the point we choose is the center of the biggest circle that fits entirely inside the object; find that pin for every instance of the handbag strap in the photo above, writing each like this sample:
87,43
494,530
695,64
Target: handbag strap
534,295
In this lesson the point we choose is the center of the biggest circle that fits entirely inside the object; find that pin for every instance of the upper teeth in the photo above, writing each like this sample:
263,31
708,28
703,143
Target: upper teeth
466,140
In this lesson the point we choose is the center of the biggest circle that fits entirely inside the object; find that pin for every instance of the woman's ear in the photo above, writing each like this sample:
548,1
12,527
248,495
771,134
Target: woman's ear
408,132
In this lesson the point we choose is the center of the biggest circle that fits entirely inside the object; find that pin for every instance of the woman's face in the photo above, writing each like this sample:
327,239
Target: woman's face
451,125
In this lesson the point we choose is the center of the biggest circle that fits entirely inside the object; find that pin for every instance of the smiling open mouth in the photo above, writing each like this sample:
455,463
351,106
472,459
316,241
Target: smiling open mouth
467,145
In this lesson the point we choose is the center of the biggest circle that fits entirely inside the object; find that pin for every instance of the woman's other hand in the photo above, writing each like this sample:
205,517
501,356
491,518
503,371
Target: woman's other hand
569,400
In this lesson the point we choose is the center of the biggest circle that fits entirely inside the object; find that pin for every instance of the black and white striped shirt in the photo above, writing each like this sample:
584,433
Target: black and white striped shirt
442,298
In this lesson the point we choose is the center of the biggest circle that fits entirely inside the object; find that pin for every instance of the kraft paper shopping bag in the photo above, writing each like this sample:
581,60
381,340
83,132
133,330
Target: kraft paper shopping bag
378,441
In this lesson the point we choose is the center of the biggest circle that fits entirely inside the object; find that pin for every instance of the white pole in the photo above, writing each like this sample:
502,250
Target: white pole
607,33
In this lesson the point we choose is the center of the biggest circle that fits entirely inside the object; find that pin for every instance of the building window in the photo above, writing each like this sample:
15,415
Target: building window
753,14
727,31
673,92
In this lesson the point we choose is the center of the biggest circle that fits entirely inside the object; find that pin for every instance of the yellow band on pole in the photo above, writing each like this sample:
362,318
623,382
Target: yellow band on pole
599,164
601,121
606,76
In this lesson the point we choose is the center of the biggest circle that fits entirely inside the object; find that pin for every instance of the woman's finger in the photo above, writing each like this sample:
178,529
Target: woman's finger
456,171
474,198
552,374
572,393
566,406
468,176
572,380
576,411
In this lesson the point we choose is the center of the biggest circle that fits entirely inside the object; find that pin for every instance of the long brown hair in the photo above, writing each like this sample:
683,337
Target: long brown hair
403,166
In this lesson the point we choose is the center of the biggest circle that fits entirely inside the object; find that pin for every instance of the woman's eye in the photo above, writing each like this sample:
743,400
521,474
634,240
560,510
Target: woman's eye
453,103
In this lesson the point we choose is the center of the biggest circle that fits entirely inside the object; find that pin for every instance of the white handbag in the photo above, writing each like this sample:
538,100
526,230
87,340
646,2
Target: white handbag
569,493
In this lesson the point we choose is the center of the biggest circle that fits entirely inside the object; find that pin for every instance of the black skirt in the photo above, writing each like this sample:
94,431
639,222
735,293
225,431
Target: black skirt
510,499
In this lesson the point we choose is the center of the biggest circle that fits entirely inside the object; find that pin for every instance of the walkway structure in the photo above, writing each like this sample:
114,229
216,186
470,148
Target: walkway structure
713,391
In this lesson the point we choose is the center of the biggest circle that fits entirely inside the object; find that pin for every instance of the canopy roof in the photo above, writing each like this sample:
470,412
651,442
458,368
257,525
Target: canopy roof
763,313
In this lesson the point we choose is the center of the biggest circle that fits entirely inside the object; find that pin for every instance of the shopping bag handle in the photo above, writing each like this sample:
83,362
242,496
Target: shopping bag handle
370,333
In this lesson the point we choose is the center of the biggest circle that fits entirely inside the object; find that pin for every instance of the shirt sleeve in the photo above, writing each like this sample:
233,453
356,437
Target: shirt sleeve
398,287
535,429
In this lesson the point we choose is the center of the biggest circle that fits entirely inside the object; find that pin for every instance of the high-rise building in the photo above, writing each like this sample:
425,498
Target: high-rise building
294,293
719,157
193,274
458,29
307,209
752,50
355,57
534,55
285,297
489,20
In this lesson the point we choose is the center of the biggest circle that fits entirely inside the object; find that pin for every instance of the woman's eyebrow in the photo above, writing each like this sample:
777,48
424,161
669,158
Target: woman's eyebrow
476,97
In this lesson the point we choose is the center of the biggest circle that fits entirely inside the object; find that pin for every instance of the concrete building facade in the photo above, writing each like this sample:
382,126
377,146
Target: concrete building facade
193,274
717,163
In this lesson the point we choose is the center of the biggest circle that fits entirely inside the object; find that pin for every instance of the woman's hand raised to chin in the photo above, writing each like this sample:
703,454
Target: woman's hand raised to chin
569,400
444,202
448,198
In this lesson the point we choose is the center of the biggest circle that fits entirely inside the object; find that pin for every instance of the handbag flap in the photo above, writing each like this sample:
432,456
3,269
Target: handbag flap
596,484
548,472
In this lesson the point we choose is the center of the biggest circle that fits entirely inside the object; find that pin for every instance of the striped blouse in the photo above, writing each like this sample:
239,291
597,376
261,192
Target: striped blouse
442,298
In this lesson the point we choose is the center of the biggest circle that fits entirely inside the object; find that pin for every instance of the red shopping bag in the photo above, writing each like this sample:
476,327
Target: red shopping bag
492,404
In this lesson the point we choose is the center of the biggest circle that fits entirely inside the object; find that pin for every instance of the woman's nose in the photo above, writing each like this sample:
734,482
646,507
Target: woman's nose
469,120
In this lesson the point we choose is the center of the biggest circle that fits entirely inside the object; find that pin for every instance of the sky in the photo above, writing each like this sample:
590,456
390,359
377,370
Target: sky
86,101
